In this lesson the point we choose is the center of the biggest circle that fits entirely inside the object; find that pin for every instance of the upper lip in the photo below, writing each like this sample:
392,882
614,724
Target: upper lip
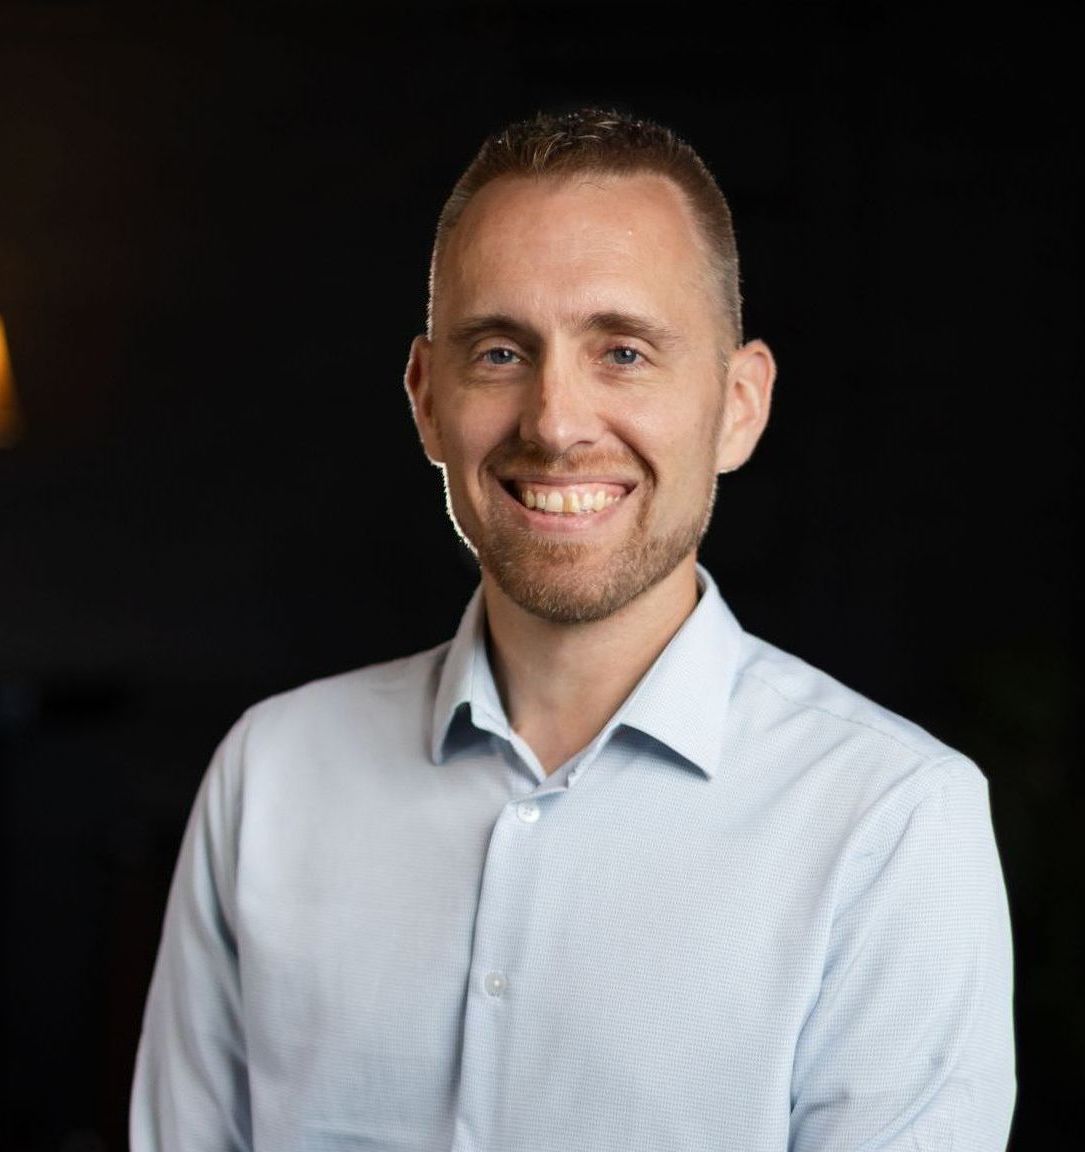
565,481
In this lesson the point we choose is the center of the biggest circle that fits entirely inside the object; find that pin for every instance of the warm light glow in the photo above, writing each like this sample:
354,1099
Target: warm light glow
11,423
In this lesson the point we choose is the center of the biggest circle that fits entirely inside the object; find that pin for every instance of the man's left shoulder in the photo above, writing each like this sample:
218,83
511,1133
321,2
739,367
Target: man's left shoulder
813,720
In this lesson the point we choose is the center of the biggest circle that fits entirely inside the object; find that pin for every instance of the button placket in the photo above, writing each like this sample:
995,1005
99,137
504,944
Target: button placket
492,998
496,982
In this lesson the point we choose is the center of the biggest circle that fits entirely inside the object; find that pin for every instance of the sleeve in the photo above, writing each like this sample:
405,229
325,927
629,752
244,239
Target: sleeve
190,1090
910,1043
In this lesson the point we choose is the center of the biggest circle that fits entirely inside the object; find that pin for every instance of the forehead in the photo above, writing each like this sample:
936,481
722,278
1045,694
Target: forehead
638,205
530,235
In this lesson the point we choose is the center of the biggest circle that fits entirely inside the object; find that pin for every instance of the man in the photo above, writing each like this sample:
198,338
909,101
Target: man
605,872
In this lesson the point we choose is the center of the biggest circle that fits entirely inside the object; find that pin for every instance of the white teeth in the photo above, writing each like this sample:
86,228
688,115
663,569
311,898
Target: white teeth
569,503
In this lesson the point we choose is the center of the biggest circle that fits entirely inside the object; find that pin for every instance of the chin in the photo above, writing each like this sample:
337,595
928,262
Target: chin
561,583
562,605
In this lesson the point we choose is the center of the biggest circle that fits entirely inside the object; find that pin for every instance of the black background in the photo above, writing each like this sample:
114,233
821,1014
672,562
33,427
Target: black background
214,231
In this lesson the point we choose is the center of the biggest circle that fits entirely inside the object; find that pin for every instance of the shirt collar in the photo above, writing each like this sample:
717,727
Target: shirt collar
466,684
681,701
683,698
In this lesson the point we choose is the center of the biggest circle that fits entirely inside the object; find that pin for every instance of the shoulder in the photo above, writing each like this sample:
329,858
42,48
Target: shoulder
341,715
783,684
374,685
846,748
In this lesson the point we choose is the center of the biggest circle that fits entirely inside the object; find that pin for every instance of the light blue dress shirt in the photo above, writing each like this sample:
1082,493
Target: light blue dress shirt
757,913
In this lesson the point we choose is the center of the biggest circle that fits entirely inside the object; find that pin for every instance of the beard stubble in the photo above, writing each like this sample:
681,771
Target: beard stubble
560,580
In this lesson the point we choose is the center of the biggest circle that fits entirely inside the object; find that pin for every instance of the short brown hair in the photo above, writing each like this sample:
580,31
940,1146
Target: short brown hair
603,141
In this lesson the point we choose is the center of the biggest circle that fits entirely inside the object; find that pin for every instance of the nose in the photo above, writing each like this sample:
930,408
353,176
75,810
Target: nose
560,409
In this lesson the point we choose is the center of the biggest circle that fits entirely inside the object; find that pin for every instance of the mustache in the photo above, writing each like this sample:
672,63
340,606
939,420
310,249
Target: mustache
523,456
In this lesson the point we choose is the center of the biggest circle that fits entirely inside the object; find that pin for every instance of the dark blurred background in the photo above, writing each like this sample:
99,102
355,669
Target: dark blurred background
214,230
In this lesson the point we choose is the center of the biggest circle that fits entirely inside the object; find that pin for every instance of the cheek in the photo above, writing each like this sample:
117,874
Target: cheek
470,431
677,443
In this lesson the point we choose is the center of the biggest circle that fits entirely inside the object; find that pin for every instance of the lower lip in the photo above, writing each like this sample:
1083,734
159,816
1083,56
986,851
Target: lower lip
561,523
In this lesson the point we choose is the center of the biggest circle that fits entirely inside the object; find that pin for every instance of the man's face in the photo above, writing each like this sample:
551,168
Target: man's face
575,388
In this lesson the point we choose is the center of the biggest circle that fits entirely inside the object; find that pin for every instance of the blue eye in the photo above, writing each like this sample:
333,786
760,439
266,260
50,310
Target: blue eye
500,356
624,356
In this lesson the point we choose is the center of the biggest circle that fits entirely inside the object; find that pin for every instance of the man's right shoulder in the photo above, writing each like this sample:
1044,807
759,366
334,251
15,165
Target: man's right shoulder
363,711
385,681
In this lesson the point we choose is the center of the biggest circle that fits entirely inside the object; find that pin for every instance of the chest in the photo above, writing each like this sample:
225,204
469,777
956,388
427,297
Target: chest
619,949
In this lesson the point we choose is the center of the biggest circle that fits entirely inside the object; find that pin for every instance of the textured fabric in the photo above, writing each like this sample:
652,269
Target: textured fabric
758,913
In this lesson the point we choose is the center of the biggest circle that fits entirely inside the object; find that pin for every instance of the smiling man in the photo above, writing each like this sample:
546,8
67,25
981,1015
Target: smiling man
605,871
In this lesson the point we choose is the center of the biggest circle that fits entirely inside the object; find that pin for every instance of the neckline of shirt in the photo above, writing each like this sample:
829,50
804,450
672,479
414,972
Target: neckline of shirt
681,701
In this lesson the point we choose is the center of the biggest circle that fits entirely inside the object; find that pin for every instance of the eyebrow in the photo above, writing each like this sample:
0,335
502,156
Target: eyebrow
625,323
630,324
469,330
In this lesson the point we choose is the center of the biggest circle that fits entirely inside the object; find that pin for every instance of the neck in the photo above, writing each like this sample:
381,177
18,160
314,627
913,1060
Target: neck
561,683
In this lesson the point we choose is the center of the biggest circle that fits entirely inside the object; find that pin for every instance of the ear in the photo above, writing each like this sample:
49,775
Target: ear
419,387
751,372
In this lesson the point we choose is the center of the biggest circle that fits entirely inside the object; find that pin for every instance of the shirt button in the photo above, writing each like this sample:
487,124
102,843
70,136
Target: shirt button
528,811
495,983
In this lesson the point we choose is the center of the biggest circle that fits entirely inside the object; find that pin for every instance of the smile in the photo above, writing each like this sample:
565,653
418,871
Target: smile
568,501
